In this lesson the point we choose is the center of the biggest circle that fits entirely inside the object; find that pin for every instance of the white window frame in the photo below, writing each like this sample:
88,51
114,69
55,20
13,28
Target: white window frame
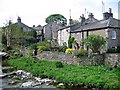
113,34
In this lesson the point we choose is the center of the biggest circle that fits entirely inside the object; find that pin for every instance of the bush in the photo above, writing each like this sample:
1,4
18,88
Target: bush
14,53
94,42
43,48
62,48
30,53
70,41
33,46
59,64
79,53
114,50
69,51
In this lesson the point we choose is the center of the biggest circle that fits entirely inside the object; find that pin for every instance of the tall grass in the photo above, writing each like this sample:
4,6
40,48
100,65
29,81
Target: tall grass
93,76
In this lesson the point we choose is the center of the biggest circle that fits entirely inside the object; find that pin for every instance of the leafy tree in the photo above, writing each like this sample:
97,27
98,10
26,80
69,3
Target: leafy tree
70,41
94,42
56,18
18,36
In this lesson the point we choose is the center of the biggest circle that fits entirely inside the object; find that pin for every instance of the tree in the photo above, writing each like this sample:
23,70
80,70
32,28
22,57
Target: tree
94,42
18,36
56,18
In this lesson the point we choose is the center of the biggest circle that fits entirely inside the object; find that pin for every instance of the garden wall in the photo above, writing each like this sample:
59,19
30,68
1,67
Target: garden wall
113,59
107,59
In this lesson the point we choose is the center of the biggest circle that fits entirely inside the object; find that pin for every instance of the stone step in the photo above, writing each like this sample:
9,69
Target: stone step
9,67
7,74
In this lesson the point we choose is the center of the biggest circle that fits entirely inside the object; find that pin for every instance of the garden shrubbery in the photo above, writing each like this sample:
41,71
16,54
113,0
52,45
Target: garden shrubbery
59,64
81,52
69,51
62,48
43,46
114,50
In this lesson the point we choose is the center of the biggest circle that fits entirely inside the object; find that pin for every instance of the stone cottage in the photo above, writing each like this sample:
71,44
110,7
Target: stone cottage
21,26
108,27
50,31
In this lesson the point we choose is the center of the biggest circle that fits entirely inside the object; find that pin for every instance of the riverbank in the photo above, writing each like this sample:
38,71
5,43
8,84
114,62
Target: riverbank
71,75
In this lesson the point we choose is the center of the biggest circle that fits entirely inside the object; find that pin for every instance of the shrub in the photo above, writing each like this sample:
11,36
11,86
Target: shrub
70,41
114,50
62,48
14,53
69,51
80,53
59,64
43,48
94,42
30,53
33,46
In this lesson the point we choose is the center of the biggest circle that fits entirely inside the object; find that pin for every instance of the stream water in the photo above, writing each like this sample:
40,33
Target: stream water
20,81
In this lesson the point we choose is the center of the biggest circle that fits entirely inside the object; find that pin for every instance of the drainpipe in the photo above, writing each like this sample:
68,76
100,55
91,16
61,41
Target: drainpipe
87,33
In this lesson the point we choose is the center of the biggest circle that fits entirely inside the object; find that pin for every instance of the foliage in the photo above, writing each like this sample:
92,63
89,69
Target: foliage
91,76
113,50
30,53
59,64
43,46
14,53
33,46
62,48
94,42
70,41
4,40
79,53
56,18
19,36
69,51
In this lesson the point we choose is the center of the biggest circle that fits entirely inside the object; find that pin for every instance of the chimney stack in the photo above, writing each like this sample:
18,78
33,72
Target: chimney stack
110,10
19,19
33,25
82,19
107,15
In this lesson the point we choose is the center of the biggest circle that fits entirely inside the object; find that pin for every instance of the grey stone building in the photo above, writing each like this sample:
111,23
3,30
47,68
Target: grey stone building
108,27
12,27
50,31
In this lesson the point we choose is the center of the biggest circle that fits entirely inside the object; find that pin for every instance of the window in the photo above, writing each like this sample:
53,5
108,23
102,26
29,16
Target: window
113,34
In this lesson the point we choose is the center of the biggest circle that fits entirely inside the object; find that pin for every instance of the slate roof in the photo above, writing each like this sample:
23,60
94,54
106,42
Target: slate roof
93,24
102,24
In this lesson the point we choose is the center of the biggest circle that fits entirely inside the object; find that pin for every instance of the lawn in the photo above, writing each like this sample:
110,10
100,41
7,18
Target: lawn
72,75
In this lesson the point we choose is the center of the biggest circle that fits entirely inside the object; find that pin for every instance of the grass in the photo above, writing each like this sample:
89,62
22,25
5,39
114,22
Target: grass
72,75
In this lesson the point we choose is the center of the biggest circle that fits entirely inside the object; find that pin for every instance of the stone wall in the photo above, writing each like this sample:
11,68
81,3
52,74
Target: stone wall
112,60
65,58
102,59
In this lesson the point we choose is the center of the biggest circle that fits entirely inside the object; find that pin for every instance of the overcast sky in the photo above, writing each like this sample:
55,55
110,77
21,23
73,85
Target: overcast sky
34,12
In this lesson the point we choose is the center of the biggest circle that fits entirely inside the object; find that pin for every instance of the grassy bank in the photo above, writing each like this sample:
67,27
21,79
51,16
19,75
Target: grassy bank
93,76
